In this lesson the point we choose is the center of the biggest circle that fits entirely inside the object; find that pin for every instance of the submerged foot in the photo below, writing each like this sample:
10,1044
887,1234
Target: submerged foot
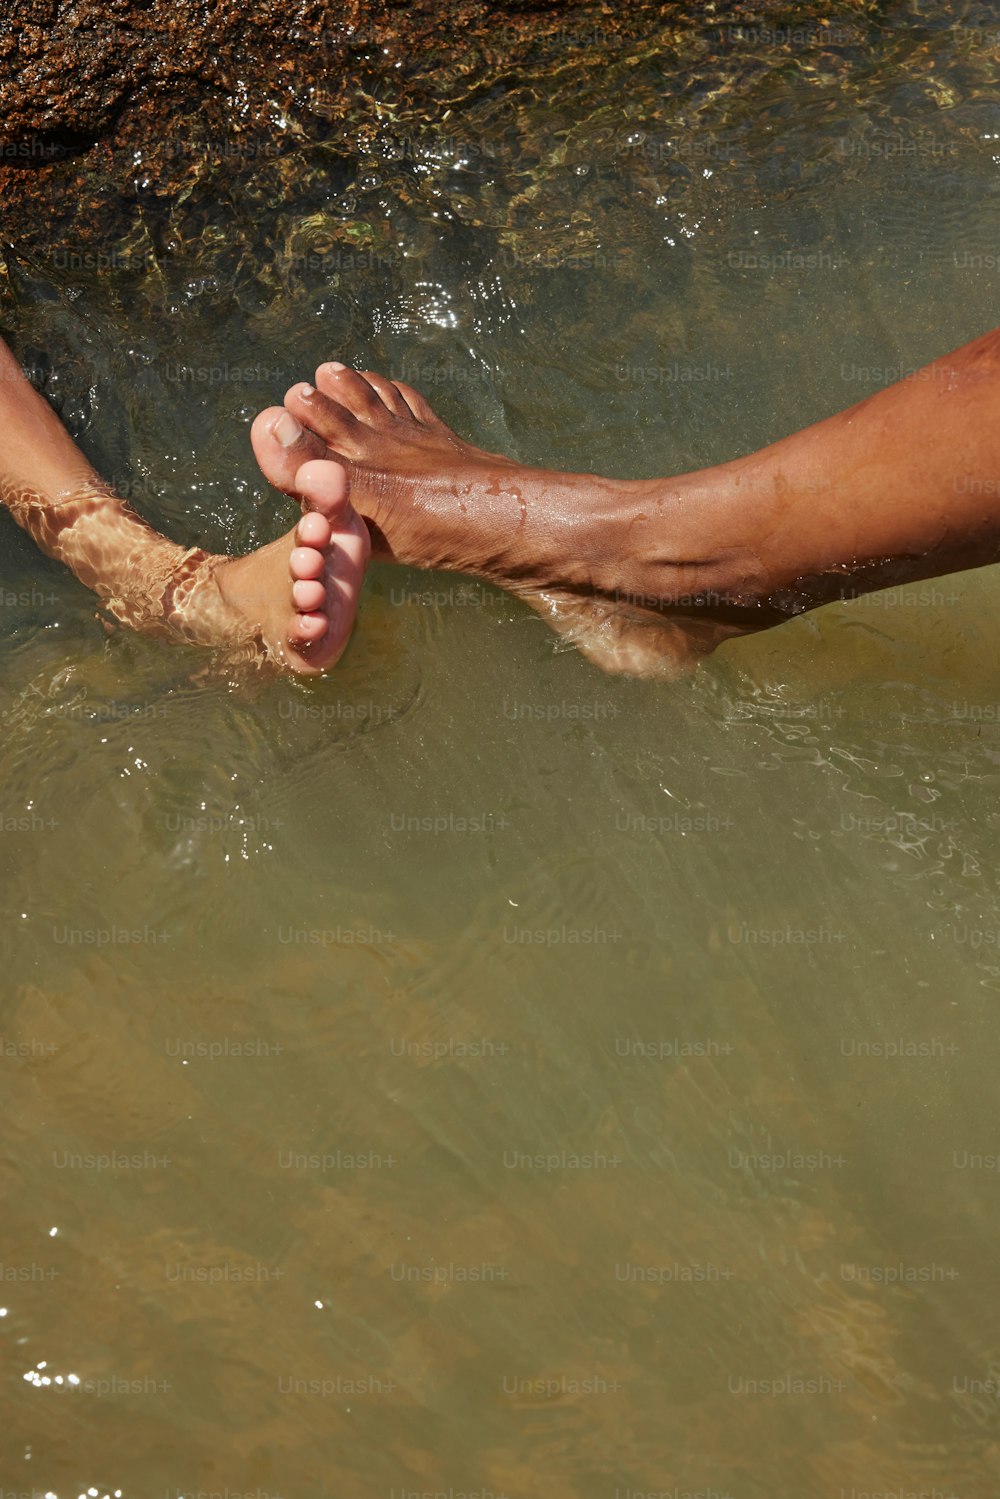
292,603
299,595
630,642
572,545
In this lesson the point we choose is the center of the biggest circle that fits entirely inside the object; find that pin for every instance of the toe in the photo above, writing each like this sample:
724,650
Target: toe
308,595
418,404
305,628
327,419
327,582
324,487
306,562
281,445
352,390
391,398
313,530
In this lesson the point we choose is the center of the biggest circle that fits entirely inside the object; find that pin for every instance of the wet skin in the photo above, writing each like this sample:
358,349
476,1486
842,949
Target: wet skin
645,576
648,575
291,604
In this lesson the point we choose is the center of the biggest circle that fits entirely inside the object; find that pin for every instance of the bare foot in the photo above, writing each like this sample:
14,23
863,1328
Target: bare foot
292,603
299,596
433,500
632,642
569,544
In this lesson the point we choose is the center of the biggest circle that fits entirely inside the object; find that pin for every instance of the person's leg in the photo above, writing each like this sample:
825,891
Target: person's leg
293,602
904,485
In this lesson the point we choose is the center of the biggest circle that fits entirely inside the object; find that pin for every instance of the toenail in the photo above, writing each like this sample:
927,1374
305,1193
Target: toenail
336,365
287,430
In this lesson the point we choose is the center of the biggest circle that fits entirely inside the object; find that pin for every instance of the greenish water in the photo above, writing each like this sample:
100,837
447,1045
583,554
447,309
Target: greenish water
472,1073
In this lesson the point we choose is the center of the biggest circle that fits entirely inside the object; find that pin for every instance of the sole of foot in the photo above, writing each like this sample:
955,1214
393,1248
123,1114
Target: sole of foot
300,594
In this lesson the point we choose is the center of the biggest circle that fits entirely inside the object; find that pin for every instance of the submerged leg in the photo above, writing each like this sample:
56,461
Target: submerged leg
292,602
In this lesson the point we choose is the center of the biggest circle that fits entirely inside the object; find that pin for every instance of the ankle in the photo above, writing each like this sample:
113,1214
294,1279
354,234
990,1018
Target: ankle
191,593
561,530
686,542
168,592
196,605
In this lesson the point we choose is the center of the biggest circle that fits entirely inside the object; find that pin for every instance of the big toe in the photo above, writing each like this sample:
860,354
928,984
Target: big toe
281,445
323,485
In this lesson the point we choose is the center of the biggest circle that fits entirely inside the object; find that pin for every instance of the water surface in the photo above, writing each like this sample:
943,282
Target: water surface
471,1073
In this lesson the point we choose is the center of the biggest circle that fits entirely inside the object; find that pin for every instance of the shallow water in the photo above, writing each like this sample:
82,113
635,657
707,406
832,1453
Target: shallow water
472,1073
